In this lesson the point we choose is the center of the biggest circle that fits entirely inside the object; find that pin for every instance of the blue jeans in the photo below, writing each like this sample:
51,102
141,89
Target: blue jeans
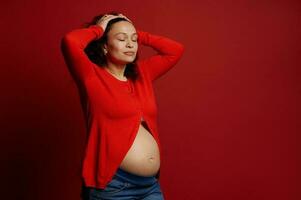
125,186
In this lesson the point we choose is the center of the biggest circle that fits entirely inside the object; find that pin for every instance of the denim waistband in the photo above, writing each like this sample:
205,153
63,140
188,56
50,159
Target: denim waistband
133,178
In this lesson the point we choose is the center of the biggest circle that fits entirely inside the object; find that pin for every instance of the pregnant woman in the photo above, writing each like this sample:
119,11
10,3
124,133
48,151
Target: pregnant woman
122,153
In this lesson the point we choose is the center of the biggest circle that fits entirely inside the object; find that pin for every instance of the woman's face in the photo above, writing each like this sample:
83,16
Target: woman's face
122,43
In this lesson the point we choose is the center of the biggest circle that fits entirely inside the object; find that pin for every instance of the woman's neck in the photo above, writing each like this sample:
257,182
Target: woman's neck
115,69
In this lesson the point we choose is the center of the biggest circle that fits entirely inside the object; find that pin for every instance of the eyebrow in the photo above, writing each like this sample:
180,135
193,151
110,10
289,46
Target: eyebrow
125,33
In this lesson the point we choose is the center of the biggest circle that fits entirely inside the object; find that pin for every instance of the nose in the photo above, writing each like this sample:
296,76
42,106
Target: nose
129,44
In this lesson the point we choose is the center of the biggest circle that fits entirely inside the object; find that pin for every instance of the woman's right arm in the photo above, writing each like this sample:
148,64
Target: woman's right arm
72,47
168,54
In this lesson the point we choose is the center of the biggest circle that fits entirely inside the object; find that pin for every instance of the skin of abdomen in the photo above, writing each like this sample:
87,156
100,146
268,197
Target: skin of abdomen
143,157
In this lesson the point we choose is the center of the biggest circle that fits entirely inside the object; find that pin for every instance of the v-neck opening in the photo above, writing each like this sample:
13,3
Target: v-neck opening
113,77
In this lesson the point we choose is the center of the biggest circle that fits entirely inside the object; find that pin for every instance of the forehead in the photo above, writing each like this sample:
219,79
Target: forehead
122,27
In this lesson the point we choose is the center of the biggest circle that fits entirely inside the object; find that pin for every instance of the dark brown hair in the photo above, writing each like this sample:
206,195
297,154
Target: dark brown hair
94,49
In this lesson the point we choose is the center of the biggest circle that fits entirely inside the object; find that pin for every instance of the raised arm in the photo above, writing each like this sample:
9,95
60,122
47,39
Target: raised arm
73,45
169,53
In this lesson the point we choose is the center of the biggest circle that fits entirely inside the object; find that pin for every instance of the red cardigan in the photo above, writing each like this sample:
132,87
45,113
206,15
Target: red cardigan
113,108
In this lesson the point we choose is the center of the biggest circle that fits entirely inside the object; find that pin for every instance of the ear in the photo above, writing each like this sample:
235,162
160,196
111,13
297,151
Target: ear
104,49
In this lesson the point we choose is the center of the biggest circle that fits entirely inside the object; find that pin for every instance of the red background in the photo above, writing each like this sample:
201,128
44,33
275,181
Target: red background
229,111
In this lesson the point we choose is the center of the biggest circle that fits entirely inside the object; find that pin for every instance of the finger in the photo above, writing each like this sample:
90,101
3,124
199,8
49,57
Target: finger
104,17
109,17
124,17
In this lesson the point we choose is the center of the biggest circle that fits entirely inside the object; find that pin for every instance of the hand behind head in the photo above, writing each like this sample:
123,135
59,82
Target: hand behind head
103,21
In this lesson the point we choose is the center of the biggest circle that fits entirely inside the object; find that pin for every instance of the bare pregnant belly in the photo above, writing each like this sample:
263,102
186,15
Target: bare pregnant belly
143,158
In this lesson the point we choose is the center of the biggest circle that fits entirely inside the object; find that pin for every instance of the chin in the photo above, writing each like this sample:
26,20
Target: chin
123,60
127,61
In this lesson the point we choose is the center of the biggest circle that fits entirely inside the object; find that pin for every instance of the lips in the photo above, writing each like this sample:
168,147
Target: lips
129,53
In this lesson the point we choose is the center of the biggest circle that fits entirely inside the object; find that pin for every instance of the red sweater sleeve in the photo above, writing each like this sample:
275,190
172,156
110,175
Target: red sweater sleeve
169,53
73,45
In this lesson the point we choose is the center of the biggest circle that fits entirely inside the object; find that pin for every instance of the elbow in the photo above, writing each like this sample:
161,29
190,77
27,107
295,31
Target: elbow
180,50
177,54
67,43
66,39
70,38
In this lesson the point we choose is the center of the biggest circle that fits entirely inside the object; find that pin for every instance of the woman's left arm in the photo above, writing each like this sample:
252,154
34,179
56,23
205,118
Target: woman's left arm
169,53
